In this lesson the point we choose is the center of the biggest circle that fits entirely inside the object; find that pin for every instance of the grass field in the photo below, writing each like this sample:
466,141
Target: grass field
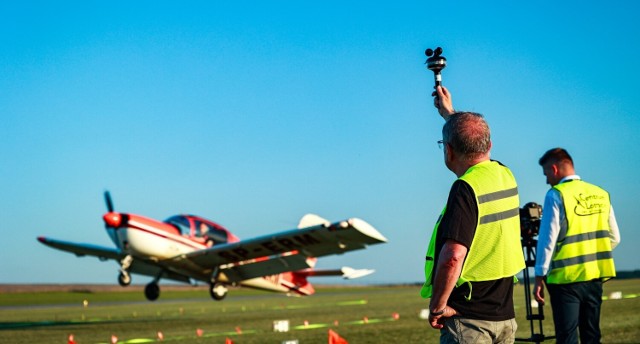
358,314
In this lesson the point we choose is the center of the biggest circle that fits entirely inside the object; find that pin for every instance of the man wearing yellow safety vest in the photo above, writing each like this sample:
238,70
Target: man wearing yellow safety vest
475,249
578,231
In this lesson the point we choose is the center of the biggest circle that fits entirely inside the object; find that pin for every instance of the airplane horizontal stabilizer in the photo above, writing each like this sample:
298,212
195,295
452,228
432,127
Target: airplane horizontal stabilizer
346,272
350,273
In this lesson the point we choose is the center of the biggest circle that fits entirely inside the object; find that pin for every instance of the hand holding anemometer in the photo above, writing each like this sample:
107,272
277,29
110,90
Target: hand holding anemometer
436,62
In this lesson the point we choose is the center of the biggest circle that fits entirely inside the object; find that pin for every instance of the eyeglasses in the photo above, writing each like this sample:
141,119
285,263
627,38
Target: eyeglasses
440,144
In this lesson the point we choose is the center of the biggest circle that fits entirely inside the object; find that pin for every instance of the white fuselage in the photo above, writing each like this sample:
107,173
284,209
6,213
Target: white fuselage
147,242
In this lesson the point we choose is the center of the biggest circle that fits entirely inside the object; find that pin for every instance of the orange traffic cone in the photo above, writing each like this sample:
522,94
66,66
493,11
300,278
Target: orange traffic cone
228,341
71,340
334,338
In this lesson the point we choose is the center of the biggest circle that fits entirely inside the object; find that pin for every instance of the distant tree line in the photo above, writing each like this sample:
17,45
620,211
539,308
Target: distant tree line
628,274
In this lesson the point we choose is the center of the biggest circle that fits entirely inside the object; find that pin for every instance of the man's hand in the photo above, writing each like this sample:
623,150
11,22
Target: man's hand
442,102
538,290
437,321
448,270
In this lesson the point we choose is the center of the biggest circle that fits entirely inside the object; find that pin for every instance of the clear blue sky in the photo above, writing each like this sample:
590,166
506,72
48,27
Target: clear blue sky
254,113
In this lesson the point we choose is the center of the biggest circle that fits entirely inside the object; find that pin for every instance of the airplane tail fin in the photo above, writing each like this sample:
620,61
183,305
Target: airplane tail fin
297,282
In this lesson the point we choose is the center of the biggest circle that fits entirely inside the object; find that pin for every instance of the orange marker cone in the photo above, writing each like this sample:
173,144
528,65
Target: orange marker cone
228,341
238,330
365,320
114,339
160,336
395,316
334,338
199,332
71,340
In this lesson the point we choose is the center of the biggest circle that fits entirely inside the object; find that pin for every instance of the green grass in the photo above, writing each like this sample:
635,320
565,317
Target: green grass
50,317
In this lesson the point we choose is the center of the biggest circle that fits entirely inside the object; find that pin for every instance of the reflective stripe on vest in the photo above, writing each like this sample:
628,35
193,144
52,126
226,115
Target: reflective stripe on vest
495,251
584,252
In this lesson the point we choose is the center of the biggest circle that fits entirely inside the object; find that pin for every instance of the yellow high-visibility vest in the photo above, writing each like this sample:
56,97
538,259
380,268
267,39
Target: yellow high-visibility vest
496,251
583,253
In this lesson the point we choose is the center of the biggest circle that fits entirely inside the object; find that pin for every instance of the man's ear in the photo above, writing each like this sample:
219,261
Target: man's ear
449,151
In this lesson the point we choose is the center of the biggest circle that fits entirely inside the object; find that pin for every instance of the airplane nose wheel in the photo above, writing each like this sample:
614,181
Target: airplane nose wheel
124,279
218,291
152,291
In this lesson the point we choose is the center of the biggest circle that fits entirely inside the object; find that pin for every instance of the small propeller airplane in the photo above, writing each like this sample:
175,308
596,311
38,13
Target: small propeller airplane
189,248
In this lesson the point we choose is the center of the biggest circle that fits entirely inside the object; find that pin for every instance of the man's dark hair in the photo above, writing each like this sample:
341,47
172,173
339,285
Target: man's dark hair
555,155
468,134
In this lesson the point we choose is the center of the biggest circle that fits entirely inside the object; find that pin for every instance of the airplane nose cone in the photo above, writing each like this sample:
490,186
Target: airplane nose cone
113,220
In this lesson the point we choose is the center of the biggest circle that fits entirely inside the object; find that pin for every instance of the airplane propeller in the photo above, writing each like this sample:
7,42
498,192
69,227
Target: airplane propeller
112,219
107,199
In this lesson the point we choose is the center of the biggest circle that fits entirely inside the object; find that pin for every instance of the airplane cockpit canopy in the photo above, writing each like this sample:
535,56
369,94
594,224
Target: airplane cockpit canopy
193,226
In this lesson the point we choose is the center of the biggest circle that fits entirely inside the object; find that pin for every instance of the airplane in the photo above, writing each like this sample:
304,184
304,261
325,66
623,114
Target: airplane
188,248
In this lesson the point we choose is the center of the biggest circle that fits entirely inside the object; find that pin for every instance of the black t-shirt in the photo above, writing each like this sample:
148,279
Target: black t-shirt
490,300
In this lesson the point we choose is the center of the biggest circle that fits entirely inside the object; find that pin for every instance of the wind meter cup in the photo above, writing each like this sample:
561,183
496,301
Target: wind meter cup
436,62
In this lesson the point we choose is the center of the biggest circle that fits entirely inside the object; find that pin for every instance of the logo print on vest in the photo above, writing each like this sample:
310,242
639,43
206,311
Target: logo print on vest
589,205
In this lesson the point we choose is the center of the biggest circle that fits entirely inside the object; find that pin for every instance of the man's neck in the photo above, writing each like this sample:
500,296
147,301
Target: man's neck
464,166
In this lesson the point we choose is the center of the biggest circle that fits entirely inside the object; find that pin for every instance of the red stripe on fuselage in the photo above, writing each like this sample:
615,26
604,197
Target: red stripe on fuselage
133,224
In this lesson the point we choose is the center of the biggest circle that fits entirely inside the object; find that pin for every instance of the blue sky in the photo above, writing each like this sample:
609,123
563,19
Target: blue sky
252,114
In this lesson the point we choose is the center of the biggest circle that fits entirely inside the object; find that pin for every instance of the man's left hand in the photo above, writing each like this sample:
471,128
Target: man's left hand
437,321
538,290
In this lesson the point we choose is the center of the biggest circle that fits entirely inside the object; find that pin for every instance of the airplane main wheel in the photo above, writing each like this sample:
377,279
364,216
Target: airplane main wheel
124,279
152,291
218,291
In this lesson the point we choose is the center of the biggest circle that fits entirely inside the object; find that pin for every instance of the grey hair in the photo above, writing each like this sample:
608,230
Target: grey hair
468,134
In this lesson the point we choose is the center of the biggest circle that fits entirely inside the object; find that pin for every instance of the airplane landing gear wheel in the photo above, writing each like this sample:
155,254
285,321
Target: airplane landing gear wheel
218,291
152,291
124,279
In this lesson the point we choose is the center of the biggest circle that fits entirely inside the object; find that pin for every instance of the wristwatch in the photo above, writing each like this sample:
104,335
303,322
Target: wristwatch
437,313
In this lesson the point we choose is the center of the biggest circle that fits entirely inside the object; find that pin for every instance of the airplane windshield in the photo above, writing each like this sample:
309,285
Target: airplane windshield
211,232
181,223
196,227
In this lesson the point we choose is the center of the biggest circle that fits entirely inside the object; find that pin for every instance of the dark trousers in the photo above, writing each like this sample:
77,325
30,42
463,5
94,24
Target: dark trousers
576,305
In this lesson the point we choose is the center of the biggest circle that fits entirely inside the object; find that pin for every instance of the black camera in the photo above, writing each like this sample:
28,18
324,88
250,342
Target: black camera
530,216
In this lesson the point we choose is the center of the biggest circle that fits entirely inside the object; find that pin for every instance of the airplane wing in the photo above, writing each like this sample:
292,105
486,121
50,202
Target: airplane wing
80,249
265,266
284,251
104,253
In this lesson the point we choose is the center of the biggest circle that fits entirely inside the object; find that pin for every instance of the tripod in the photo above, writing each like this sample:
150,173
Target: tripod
529,247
